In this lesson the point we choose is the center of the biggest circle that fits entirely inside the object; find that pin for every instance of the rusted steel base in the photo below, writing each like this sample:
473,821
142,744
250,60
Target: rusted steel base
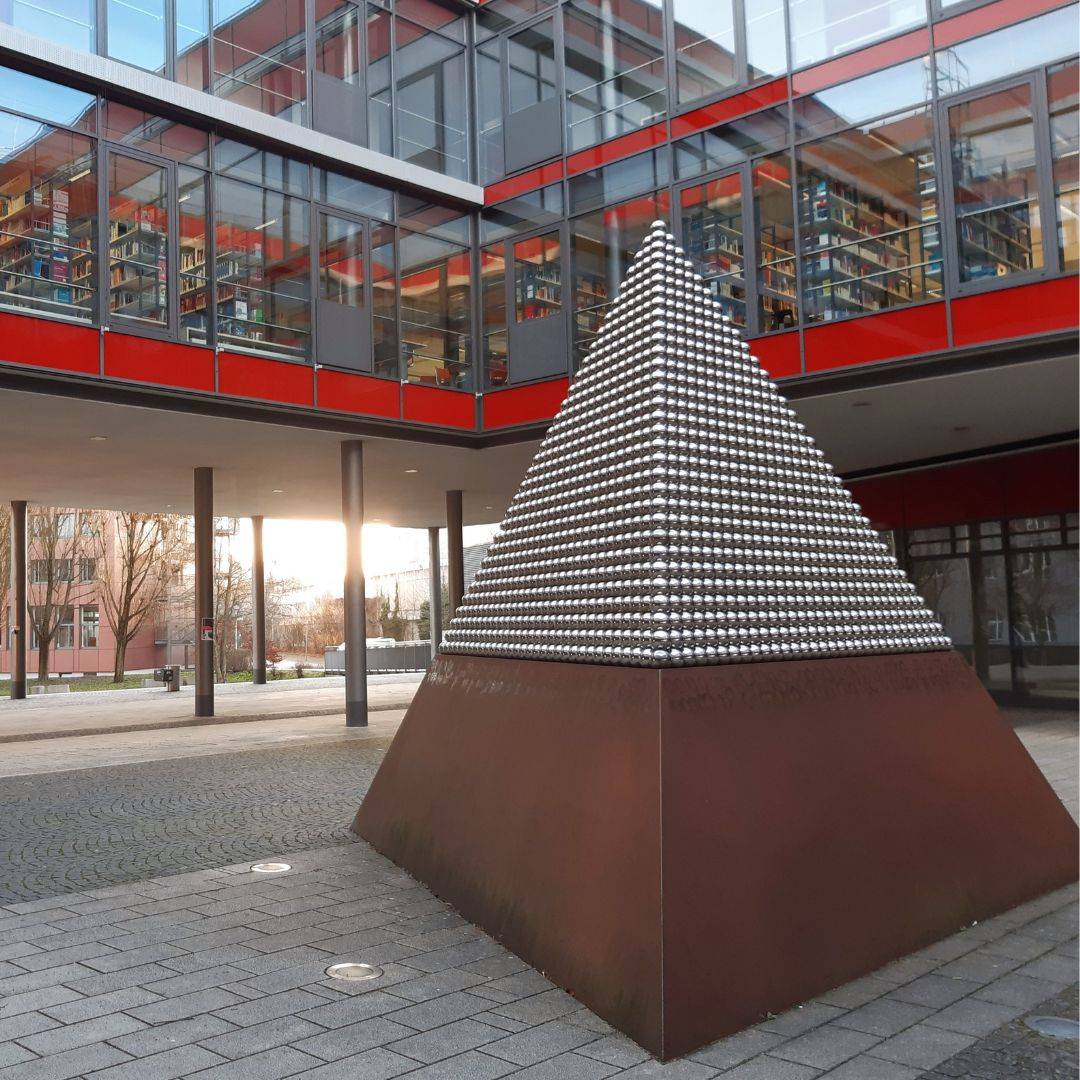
686,850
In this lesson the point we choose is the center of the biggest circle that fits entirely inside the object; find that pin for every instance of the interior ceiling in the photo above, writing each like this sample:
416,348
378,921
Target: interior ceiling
49,455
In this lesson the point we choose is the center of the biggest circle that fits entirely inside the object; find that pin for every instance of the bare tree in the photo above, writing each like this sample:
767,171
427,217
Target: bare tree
232,609
134,566
57,537
5,569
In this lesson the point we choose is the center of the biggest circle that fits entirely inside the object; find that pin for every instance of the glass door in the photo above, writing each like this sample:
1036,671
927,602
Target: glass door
538,330
343,327
138,193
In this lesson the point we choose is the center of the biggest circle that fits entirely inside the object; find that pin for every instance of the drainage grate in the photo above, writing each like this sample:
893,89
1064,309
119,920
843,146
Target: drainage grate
1056,1027
354,972
271,867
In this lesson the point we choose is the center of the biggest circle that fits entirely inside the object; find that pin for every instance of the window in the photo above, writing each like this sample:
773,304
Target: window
821,29
194,269
245,162
489,109
712,232
1061,85
47,101
766,49
48,215
192,43
66,22
138,240
704,47
775,235
144,131
384,341
136,30
87,569
341,261
338,43
267,75
497,15
531,64
431,107
89,625
263,278
642,172
603,243
357,196
614,60
493,303
65,629
39,571
380,112
435,303
65,526
995,185
522,214
868,219
729,144
537,277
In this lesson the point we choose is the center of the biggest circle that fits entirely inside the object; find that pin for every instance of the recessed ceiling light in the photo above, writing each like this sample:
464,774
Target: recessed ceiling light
962,427
98,438
860,404
489,507
412,470
277,491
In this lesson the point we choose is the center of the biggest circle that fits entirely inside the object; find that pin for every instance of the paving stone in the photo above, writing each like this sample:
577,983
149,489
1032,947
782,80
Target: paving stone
1019,946
1015,989
180,1008
259,1037
540,1008
437,984
353,1039
447,1041
443,1010
352,1010
105,983
825,1047
568,1067
248,1013
519,984
853,994
269,1065
472,1065
155,1040
13,1054
865,1067
970,1016
535,1044
934,991
614,1050
735,1049
84,951
66,1066
922,1046
884,1017
24,1024
43,999
196,961
69,1036
148,954
167,1066
377,1064
1052,968
771,1068
801,1019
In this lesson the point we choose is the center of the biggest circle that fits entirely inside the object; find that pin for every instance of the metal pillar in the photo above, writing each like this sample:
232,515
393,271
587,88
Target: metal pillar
204,592
455,551
352,513
435,587
258,605
17,639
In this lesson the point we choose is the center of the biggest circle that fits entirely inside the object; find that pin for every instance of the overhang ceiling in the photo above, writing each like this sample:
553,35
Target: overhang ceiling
49,454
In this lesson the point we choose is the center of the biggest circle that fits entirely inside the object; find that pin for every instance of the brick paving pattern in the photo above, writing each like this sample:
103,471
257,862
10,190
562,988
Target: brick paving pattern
219,973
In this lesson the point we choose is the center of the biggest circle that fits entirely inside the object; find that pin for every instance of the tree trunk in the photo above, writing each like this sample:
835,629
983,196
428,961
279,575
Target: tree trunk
43,659
119,658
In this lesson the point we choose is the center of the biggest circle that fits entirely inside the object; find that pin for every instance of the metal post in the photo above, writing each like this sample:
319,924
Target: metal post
17,640
204,592
258,605
352,513
455,551
435,594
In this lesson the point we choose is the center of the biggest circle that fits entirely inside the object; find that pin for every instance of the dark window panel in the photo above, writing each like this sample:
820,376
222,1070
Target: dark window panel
358,196
385,355
489,112
493,306
380,114
522,214
712,233
531,64
499,15
538,287
138,240
192,236
422,215
1062,91
341,261
244,162
618,180
447,18
775,236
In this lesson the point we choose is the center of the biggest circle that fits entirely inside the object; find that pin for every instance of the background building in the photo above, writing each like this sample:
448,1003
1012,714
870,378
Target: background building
236,234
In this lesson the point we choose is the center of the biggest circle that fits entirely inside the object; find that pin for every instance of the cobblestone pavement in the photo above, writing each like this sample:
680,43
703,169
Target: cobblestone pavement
219,973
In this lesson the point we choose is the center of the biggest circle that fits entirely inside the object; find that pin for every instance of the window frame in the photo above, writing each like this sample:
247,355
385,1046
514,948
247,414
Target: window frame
1035,81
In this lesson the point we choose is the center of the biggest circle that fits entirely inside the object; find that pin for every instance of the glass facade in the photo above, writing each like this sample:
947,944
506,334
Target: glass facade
1006,593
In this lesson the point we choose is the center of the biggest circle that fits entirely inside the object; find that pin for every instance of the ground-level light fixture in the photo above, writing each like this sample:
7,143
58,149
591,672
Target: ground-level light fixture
278,491
1056,1027
99,438
353,972
271,867
860,404
412,470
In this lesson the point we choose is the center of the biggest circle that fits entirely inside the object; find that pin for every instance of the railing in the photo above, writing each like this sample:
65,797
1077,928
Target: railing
400,656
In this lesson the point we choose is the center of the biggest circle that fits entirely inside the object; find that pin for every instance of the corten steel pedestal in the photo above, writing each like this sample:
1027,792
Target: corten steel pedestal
694,746
688,850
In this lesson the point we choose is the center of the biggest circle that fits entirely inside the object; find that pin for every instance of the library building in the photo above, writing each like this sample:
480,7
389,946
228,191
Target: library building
235,234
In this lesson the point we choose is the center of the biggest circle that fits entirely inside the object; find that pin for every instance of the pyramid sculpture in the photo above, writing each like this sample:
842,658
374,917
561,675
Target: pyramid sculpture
594,773
678,513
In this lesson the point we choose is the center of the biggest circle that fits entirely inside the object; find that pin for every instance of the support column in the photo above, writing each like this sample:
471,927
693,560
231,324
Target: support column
435,591
258,605
17,637
455,551
352,513
204,592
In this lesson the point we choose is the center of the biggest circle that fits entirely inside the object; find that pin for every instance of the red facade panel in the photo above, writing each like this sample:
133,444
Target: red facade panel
359,394
770,93
1009,313
891,334
267,380
953,493
779,354
881,499
161,362
524,404
47,344
448,408
526,181
990,17
615,149
1044,482
862,62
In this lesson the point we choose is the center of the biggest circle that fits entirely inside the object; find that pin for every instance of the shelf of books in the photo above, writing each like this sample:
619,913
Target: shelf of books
194,295
138,270
46,255
862,255
714,241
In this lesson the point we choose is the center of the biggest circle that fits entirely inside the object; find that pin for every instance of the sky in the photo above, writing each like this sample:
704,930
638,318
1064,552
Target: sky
313,552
